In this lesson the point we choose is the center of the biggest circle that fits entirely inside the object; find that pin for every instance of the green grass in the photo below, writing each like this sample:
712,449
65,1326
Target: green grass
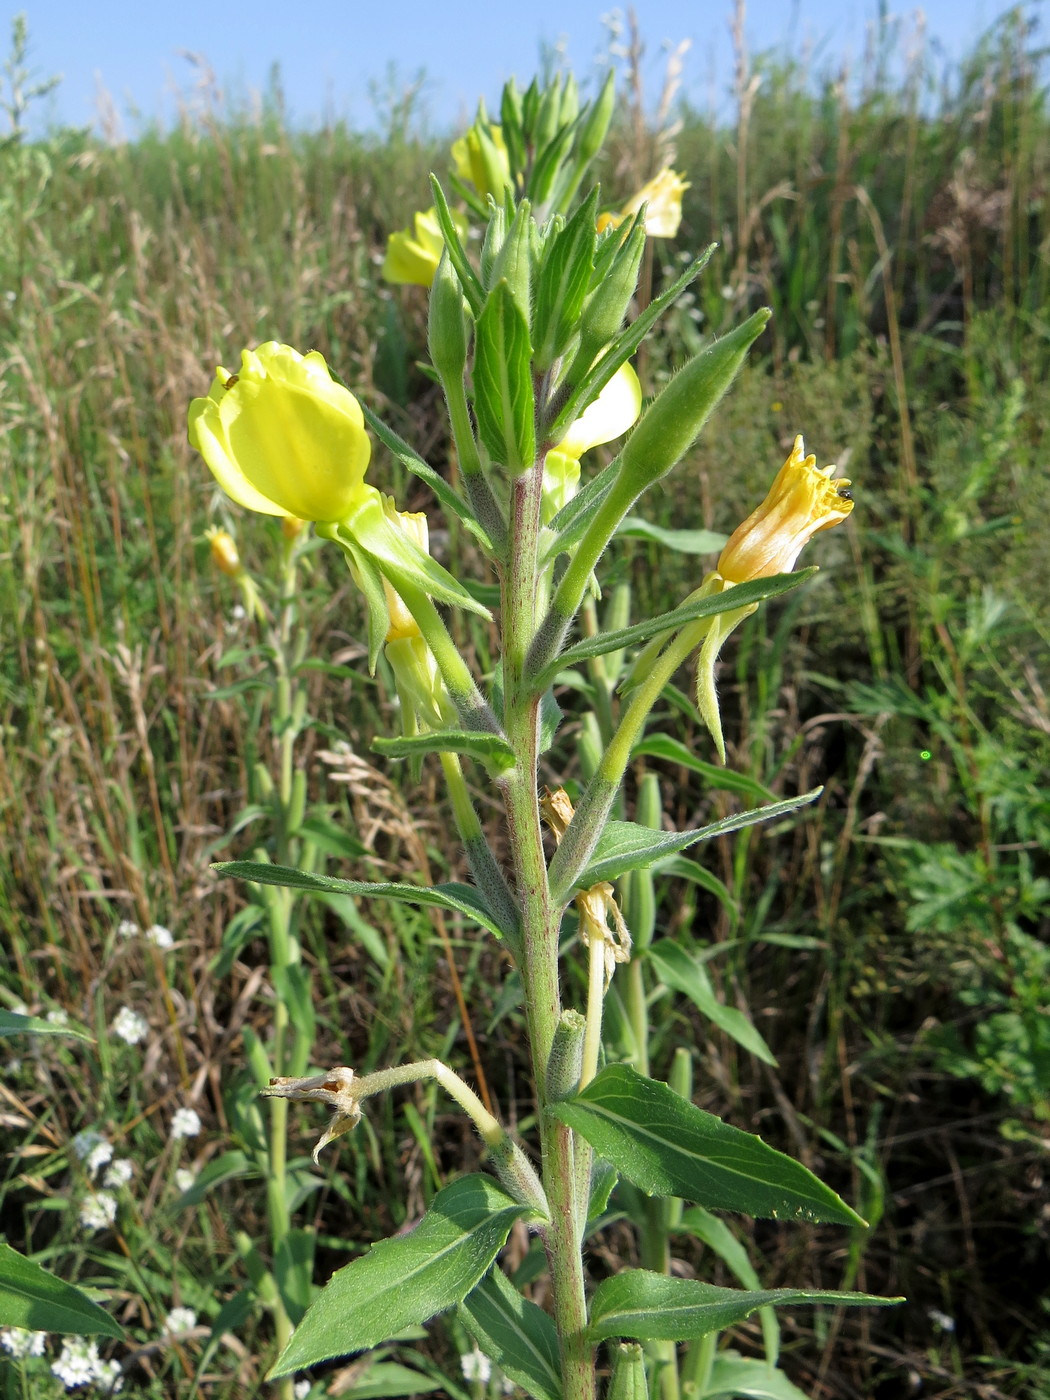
892,942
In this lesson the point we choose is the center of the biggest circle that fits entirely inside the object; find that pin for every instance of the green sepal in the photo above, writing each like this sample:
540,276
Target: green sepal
504,403
627,1381
463,899
369,579
514,263
706,690
563,282
669,1147
653,1307
511,121
516,1334
404,1281
371,531
592,132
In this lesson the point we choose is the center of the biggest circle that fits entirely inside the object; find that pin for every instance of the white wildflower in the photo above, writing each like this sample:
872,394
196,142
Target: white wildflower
301,1389
160,936
14,1066
21,1342
85,1142
108,1375
180,1320
237,613
130,1026
128,928
185,1123
185,1178
77,1363
58,1017
476,1366
100,1154
941,1320
98,1211
119,1173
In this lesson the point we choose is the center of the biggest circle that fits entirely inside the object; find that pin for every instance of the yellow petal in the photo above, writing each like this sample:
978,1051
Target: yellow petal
610,415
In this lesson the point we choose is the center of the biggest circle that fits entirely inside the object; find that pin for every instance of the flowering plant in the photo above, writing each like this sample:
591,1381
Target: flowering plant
529,343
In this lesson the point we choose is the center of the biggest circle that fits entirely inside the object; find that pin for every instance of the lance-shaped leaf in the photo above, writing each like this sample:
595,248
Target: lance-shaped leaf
678,541
674,751
563,283
669,1147
472,289
402,1282
652,1307
678,969
31,1297
628,846
450,499
487,748
748,1378
12,1023
463,899
512,1331
504,404
754,591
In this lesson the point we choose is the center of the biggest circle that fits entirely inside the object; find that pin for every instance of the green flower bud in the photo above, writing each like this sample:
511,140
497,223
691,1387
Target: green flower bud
446,326
514,263
604,312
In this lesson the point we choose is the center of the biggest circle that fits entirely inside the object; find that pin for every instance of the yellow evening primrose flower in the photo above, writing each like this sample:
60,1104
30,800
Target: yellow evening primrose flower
282,437
663,195
610,415
413,254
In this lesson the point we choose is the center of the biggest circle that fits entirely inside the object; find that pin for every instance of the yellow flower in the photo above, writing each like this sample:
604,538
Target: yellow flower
663,195
803,500
281,437
610,415
483,164
413,254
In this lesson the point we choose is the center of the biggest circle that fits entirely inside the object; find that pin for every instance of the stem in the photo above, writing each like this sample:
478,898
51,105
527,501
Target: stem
579,841
484,866
471,706
541,921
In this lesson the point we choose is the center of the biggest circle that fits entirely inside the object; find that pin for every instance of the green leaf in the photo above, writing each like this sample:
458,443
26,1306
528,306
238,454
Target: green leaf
451,501
746,1378
564,280
685,869
331,838
716,1234
678,969
741,595
504,403
12,1023
715,776
389,1378
482,746
680,541
230,1166
31,1297
472,289
669,1147
652,1307
406,1280
519,1336
464,899
628,846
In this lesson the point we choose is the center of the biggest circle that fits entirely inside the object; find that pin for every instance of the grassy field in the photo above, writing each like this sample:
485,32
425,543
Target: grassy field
891,944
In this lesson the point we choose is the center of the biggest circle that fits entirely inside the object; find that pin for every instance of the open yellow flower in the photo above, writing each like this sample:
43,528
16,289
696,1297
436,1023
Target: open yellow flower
663,195
413,254
281,437
803,500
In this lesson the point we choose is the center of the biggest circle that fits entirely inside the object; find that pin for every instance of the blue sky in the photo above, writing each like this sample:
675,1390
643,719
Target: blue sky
331,53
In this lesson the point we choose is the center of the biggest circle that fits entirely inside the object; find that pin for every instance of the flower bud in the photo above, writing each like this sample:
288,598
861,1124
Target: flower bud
281,437
224,552
604,312
446,324
481,159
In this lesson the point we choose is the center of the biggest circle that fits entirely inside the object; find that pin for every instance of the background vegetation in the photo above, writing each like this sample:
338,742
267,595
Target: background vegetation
891,944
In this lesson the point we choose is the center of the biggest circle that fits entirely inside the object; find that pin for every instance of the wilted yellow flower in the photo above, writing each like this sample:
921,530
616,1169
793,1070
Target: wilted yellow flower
413,254
335,1087
485,165
803,500
281,437
663,195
